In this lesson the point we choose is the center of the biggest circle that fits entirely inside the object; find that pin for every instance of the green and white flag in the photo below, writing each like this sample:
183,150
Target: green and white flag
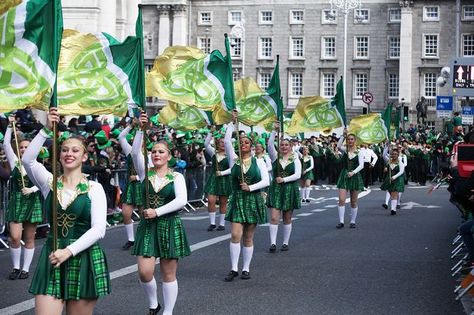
184,117
30,36
369,128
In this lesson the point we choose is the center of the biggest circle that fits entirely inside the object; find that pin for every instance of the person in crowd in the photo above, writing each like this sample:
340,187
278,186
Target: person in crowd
75,274
370,159
260,154
218,186
394,182
350,179
73,126
24,208
307,163
246,203
283,196
94,126
160,233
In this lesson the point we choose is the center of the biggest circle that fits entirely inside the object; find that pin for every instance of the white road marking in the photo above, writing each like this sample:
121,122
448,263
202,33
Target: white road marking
319,210
305,214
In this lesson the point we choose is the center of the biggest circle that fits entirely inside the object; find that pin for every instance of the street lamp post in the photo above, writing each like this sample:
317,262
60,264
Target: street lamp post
238,31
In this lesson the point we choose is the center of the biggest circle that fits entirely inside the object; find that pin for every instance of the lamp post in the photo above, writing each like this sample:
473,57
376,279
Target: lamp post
238,31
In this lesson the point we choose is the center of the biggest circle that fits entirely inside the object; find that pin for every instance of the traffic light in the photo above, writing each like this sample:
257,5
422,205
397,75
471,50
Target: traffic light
405,113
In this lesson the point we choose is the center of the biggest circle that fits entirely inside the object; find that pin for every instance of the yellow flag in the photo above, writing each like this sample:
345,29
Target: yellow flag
368,129
183,117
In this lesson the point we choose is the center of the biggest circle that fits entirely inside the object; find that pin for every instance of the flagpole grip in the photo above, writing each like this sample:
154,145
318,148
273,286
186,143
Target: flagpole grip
145,155
18,153
239,149
54,198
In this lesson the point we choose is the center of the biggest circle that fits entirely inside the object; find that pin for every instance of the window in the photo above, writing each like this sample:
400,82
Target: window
361,84
205,18
328,84
265,48
296,17
264,79
429,85
361,47
236,74
361,16
148,39
296,84
468,12
328,47
235,17
204,43
430,13
236,47
394,47
468,45
393,85
430,45
296,47
328,16
266,17
394,15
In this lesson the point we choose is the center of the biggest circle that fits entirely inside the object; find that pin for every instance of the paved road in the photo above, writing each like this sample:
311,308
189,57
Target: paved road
387,265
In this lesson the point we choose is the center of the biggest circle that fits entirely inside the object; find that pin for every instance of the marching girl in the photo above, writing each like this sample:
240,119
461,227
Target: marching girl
24,209
76,273
160,233
218,184
350,179
283,195
260,154
403,159
394,182
307,176
246,203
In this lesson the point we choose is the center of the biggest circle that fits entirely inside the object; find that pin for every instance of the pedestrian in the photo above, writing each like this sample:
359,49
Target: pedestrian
24,208
350,179
283,196
76,273
307,176
394,181
218,185
246,203
370,159
160,233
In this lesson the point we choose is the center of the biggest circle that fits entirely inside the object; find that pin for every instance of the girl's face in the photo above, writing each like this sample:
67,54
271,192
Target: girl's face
285,146
160,155
258,149
72,154
220,144
305,151
351,140
394,155
22,146
245,145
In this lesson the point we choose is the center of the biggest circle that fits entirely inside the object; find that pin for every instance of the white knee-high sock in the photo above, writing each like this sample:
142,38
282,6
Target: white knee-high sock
302,192
354,214
273,233
16,255
27,258
341,210
387,197
170,294
234,255
212,218
222,219
286,233
150,292
307,193
247,254
399,198
393,204
129,230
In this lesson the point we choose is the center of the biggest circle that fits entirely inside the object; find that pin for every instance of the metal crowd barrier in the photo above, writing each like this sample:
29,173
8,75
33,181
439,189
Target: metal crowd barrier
195,182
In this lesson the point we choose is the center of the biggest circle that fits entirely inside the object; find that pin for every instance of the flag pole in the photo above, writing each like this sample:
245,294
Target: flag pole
238,146
18,153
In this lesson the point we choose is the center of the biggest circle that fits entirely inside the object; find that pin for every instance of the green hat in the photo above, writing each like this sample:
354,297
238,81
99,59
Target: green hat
115,133
129,137
102,140
44,153
154,119
64,136
180,134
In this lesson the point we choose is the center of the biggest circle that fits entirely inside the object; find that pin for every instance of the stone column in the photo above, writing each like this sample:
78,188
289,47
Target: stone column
406,52
132,14
107,17
180,25
164,28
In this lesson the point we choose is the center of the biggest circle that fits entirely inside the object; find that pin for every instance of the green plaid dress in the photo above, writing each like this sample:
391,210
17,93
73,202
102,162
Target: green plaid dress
246,206
23,208
355,182
398,184
307,164
163,236
218,185
84,276
284,196
132,193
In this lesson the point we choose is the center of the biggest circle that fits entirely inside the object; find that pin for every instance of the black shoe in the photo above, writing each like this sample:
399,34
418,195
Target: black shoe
385,206
272,248
352,226
245,275
339,225
211,227
154,311
127,245
284,247
221,228
393,212
232,274
23,275
398,207
14,274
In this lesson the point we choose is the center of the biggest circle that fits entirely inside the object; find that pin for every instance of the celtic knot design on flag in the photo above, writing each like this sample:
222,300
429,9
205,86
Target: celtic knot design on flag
368,129
320,117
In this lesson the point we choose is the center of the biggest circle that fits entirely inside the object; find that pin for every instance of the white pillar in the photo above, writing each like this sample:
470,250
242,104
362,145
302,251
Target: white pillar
406,52
132,14
107,17
164,28
180,25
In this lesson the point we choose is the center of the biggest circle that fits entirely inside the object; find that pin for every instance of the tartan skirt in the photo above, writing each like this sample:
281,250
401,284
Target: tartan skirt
218,185
162,237
396,185
246,207
25,208
84,276
309,175
284,197
132,194
354,183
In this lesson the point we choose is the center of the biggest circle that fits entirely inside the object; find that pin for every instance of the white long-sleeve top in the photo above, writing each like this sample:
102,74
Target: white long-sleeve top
181,193
311,164
274,156
126,147
211,151
262,167
342,148
41,177
369,156
401,163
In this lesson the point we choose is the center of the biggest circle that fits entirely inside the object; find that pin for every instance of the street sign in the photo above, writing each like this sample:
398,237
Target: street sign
444,106
367,98
462,74
467,115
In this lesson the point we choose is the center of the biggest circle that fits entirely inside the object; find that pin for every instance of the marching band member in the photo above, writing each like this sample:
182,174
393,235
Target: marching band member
394,181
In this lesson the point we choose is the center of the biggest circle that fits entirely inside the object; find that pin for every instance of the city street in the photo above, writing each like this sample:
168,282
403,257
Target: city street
387,265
